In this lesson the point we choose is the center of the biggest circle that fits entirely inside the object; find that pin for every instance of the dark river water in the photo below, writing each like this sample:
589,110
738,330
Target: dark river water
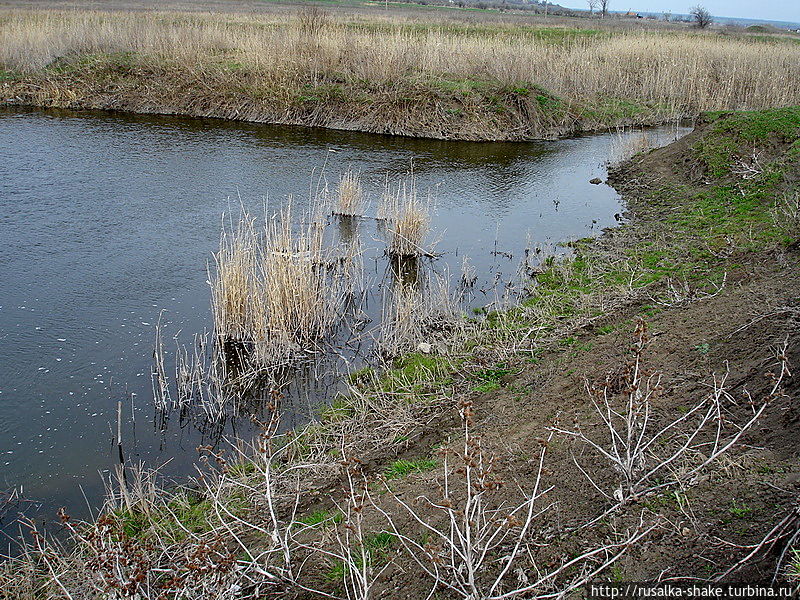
107,220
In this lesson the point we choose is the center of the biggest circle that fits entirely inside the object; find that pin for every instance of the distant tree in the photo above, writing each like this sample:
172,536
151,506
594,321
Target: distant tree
603,7
592,5
701,17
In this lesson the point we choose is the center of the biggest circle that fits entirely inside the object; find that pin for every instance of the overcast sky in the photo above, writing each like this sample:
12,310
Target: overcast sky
773,10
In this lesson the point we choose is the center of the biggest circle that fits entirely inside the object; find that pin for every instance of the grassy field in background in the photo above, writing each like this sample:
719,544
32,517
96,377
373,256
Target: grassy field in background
444,78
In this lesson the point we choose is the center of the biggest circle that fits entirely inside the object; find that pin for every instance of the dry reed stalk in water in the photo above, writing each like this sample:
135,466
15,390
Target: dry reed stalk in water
417,312
409,221
301,299
272,290
628,144
233,286
349,194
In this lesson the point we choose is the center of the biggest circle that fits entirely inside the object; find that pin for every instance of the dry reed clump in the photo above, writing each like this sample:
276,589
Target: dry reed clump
301,299
408,220
273,291
602,79
349,195
237,311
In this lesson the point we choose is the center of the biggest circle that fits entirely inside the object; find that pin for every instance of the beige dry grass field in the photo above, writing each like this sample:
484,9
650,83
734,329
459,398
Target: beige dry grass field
445,79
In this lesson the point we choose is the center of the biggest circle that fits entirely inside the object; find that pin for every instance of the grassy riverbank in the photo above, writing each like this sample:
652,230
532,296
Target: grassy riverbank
474,81
683,322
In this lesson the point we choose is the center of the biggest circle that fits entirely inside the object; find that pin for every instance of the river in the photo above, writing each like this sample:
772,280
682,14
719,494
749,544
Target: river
108,222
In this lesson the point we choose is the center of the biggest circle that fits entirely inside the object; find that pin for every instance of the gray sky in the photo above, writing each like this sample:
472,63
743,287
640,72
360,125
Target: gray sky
773,10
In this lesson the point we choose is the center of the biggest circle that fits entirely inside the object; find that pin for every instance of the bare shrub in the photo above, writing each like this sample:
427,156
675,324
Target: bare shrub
354,550
785,533
312,20
141,547
471,522
701,17
640,448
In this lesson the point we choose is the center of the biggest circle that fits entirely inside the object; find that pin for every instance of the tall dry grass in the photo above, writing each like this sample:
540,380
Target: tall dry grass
680,71
273,289
233,285
349,194
408,219
301,300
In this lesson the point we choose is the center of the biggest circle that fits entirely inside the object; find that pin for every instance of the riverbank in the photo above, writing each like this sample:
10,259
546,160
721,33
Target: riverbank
482,80
684,319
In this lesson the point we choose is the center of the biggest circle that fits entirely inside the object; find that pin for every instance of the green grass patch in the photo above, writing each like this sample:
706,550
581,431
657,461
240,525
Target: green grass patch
489,379
377,547
733,134
337,571
185,511
242,469
380,543
793,568
132,523
403,468
194,515
321,516
416,373
338,410
738,510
